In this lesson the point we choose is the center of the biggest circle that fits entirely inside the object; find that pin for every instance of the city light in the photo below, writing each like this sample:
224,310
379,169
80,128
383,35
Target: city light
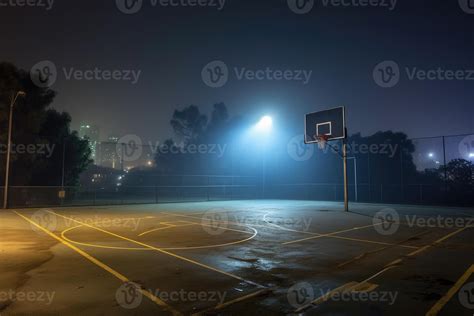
431,155
265,124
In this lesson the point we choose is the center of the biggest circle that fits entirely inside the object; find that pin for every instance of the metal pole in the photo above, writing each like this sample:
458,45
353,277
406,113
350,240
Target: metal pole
7,166
356,190
445,170
63,163
402,186
346,183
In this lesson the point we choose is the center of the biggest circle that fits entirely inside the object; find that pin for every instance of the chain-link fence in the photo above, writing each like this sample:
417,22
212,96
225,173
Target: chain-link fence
386,168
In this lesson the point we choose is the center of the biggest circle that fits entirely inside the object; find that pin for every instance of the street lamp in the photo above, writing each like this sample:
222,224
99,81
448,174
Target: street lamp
265,124
7,166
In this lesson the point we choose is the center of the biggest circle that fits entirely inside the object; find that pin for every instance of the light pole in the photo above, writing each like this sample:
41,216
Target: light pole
7,165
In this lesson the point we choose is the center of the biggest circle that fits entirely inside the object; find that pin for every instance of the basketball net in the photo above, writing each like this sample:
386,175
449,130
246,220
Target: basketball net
322,141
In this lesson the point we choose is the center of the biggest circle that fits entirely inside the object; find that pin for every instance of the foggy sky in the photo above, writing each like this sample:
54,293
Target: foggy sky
171,45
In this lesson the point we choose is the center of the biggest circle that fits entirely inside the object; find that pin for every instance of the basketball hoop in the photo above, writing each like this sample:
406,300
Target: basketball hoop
322,141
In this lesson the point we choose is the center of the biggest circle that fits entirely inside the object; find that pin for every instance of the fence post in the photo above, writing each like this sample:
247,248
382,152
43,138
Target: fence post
445,171
381,193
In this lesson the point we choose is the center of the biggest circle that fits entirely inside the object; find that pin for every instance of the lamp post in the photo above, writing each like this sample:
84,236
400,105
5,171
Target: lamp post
7,165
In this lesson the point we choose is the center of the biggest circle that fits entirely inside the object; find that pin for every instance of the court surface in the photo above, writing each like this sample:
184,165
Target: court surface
238,257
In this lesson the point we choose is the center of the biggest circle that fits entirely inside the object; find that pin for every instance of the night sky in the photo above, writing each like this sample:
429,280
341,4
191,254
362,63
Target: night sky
171,45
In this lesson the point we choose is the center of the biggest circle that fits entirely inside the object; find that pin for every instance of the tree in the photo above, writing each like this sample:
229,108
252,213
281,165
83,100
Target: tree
40,129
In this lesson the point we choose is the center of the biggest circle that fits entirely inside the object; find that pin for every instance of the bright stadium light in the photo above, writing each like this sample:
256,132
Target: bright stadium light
431,155
265,124
471,155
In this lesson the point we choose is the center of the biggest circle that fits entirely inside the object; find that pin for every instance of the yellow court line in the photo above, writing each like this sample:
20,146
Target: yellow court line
161,251
163,228
274,226
388,267
228,222
330,234
231,302
102,265
445,299
446,237
63,235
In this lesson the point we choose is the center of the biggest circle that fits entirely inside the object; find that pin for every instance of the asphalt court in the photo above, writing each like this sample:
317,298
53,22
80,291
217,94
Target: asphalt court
252,256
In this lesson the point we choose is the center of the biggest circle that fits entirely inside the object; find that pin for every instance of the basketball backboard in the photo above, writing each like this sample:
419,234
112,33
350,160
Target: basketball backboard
330,123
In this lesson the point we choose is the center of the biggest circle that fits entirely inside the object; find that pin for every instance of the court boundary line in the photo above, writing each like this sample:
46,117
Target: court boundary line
102,265
63,235
163,251
452,291
274,226
396,265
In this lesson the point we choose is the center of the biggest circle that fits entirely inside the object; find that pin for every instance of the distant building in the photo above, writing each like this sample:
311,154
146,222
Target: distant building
91,133
110,157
